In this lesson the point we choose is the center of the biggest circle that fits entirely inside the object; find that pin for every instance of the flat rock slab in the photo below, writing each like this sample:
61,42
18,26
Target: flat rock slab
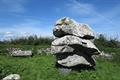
73,40
21,53
74,60
61,49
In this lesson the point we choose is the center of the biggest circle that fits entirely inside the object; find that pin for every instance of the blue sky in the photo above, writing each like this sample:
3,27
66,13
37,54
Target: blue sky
27,17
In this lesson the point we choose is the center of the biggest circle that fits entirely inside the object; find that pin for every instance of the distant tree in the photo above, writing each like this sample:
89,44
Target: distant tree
102,41
31,40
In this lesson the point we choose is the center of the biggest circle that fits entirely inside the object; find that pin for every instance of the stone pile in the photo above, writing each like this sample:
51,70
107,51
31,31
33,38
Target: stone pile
73,45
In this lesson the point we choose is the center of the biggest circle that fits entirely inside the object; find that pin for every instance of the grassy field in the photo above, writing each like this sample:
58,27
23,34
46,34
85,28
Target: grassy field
41,67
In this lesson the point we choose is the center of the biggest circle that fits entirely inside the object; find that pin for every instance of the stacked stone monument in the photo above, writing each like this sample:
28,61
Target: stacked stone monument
73,45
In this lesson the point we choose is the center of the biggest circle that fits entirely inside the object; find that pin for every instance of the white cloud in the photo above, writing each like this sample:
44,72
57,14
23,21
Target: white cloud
8,34
88,13
26,28
79,8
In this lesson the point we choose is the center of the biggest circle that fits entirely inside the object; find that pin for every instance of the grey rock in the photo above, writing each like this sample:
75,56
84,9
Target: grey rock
45,51
73,48
104,55
76,41
67,26
21,53
74,60
61,49
73,45
12,77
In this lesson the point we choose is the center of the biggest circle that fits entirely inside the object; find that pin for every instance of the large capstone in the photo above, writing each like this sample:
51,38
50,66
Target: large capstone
67,26
73,45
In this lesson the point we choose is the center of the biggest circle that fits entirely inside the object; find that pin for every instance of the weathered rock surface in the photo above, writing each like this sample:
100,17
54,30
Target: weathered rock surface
73,61
73,45
61,49
105,55
21,53
44,51
67,26
75,42
12,77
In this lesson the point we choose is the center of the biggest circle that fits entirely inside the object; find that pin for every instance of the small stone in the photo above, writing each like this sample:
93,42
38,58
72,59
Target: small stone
12,77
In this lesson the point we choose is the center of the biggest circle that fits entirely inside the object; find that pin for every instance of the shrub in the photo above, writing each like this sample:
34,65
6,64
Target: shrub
103,42
31,40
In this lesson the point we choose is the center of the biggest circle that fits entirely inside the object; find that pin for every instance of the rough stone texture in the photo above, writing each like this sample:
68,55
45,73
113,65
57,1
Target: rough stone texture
19,52
12,77
73,61
75,42
61,49
73,45
44,51
67,26
105,55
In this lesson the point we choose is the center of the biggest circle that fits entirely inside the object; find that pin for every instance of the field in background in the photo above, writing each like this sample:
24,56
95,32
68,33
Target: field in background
41,67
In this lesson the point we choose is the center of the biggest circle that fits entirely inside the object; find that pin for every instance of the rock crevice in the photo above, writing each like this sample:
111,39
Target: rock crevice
73,45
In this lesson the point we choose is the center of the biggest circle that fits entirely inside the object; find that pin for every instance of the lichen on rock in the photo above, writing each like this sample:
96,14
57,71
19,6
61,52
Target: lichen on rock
73,45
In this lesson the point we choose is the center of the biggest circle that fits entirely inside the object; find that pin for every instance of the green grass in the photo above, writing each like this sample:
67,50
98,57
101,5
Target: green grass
34,48
42,68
